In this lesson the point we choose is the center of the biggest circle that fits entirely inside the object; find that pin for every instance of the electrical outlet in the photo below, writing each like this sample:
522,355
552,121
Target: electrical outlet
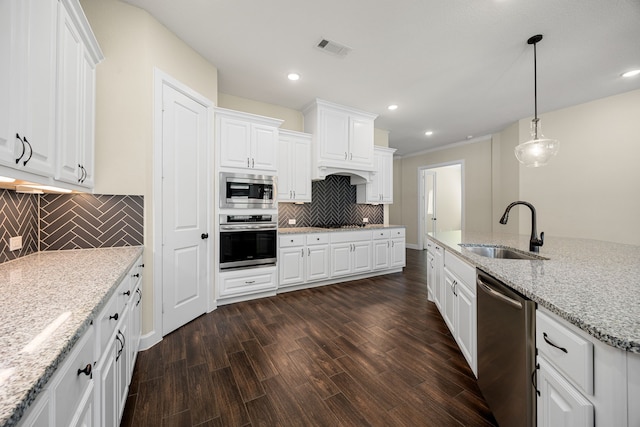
292,221
365,219
15,243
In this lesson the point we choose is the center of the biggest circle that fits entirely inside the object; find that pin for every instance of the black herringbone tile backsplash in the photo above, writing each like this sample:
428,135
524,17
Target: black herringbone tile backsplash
333,202
18,217
68,221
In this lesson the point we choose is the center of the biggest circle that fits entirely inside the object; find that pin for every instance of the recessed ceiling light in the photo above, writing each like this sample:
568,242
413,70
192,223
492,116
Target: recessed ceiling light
469,136
429,133
293,76
392,107
631,73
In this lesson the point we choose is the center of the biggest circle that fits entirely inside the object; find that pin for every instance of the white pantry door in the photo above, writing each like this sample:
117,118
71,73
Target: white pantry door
185,209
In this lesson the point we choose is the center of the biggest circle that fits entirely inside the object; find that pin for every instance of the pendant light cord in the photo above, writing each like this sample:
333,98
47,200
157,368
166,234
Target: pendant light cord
535,91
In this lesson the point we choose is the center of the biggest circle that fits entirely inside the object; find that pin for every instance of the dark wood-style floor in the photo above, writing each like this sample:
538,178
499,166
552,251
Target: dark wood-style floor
367,352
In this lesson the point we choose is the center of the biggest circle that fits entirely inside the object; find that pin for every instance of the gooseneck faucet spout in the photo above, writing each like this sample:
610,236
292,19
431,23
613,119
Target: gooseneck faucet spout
534,242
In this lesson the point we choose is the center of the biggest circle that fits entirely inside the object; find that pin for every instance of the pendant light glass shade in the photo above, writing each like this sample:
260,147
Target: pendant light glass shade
538,150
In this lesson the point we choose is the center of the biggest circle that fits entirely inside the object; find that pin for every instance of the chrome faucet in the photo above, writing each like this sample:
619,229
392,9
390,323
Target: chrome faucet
534,242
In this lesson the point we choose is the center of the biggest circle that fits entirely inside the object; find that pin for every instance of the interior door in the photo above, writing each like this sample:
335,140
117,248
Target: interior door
185,209
429,199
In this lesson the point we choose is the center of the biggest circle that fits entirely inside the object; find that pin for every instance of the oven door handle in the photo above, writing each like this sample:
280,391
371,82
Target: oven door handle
247,227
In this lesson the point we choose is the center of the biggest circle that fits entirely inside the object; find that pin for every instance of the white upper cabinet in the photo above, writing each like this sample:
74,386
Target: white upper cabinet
294,167
76,102
380,189
47,92
27,85
247,141
342,138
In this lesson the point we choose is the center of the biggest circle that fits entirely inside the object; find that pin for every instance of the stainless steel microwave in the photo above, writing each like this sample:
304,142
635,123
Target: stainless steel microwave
247,191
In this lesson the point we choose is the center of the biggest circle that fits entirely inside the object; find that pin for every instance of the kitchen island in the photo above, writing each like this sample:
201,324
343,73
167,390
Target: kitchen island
594,285
48,301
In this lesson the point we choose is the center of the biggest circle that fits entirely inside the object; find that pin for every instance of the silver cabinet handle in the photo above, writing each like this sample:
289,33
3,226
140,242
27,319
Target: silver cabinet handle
350,156
248,282
247,162
308,252
294,194
302,252
253,163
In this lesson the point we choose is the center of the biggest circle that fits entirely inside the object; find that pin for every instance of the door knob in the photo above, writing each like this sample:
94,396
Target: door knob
204,236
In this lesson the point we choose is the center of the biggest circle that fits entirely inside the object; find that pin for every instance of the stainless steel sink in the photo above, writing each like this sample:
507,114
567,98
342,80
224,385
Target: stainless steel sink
500,252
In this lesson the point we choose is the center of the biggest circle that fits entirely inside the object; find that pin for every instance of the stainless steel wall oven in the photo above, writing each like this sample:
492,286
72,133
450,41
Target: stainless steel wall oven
247,191
248,241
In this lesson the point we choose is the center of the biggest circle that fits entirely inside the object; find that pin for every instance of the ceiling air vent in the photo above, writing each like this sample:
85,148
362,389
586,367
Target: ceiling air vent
333,48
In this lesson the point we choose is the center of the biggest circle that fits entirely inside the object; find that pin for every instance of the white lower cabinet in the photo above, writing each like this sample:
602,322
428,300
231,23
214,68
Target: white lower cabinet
332,257
91,386
435,273
560,404
455,294
350,253
582,381
238,283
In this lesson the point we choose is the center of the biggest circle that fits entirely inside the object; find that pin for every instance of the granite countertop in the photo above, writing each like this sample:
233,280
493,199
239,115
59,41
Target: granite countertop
593,284
47,301
294,230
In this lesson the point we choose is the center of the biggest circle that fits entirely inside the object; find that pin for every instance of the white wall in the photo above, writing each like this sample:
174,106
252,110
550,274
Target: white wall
133,44
449,197
591,189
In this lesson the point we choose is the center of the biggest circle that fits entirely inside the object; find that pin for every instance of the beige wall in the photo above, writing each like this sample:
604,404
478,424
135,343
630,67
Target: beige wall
133,44
506,179
477,186
293,119
591,189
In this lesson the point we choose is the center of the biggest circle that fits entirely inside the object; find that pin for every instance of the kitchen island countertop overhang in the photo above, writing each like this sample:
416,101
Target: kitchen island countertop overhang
592,284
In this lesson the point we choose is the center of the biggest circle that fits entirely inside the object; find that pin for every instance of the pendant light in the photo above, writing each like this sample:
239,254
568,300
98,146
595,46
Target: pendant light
538,150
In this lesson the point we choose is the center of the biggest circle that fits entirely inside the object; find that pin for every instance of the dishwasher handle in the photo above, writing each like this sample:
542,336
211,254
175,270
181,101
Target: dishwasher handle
499,295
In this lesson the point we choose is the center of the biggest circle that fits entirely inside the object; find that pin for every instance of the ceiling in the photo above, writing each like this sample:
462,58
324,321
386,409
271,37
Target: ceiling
460,68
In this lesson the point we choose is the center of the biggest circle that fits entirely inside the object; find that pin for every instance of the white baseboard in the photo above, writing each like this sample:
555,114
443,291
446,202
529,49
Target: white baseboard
148,340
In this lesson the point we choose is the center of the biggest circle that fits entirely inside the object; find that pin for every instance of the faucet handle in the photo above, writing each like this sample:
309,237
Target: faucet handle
540,241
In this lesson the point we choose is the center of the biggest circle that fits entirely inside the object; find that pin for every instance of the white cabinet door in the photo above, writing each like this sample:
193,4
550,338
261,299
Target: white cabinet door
122,369
381,254
398,252
10,147
107,400
431,275
38,413
70,87
75,105
291,264
27,129
317,262
333,135
294,167
285,174
385,166
362,257
438,283
85,414
559,403
234,138
264,154
361,142
466,325
341,260
449,301
301,170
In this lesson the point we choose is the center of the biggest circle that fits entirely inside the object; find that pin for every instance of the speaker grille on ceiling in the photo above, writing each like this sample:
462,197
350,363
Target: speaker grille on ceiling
333,48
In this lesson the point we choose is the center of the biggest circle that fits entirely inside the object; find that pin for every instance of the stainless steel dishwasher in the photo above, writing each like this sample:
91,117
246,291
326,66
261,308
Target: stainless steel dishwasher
506,352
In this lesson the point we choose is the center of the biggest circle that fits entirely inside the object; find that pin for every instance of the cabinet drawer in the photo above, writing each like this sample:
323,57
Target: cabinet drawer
350,236
381,234
397,232
570,353
292,240
433,247
317,239
107,321
246,282
71,384
460,268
